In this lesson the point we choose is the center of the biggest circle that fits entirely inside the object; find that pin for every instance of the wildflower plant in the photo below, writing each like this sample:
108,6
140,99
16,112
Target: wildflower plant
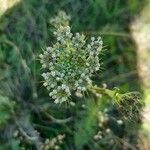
70,62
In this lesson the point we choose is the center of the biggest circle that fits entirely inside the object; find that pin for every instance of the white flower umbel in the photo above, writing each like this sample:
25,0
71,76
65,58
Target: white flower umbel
70,62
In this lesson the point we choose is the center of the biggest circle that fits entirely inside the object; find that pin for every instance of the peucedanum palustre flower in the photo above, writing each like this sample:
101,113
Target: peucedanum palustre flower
70,62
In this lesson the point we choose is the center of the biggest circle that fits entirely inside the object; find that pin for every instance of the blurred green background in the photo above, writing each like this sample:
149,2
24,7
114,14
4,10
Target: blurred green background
123,24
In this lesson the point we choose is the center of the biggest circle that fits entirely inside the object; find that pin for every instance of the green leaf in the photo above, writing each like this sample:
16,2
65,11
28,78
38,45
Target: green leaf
85,128
6,109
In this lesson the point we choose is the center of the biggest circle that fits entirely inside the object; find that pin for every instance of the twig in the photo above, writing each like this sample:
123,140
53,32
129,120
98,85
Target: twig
38,109
126,144
28,138
58,121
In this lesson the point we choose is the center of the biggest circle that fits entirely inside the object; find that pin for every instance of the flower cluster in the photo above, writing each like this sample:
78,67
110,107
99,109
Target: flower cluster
107,136
130,105
54,143
62,19
70,63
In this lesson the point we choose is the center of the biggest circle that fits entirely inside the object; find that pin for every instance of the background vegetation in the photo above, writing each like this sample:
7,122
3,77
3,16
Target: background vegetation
25,30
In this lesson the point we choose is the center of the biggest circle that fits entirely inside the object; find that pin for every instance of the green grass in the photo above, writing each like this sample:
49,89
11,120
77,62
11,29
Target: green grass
146,124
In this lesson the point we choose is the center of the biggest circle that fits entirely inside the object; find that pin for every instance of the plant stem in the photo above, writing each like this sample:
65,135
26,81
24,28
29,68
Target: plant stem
111,93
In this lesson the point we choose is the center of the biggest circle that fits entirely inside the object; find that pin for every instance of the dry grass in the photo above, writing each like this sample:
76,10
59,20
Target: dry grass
141,34
144,141
6,4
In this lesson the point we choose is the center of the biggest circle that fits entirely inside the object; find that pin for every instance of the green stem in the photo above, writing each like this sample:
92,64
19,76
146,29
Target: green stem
113,94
